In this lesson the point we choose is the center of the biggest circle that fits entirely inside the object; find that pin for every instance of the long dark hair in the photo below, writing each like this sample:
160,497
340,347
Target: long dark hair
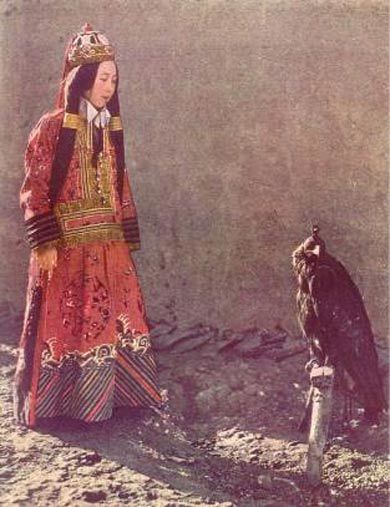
83,80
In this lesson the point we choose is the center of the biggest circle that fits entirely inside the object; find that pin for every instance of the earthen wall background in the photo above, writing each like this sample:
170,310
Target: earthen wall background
246,121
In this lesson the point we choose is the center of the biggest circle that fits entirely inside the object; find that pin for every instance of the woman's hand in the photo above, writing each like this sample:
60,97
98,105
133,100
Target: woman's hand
47,259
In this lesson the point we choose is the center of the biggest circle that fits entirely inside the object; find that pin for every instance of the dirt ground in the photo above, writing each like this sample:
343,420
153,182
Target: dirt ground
228,437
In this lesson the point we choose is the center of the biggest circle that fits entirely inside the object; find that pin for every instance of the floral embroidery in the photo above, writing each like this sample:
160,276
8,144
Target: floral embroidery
85,306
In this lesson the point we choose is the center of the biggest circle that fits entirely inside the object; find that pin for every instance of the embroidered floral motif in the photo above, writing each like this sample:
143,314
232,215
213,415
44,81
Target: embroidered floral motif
85,306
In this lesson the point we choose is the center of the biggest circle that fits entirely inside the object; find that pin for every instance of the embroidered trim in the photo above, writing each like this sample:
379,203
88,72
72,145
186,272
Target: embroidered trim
79,208
73,121
101,55
137,343
131,230
42,229
97,192
115,123
96,181
100,232
77,122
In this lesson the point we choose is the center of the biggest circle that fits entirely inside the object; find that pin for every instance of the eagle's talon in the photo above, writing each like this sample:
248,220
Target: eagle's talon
313,363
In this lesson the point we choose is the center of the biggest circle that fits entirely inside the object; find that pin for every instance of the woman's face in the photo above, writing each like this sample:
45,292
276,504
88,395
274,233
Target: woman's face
104,86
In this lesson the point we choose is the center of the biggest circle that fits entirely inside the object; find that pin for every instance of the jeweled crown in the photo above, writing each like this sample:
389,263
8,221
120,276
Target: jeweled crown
89,46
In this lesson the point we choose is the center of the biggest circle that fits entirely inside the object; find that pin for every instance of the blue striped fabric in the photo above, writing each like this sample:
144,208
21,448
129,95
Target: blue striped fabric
92,391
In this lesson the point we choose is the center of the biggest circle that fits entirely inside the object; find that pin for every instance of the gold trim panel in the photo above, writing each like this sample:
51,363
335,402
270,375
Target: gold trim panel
75,121
115,123
99,234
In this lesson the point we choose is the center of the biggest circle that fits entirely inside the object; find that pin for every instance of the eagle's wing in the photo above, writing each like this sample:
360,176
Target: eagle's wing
342,317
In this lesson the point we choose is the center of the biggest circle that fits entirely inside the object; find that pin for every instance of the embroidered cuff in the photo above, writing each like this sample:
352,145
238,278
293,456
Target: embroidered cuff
131,230
42,229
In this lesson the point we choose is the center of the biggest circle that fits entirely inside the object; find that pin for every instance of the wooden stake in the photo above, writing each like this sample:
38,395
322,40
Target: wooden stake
321,379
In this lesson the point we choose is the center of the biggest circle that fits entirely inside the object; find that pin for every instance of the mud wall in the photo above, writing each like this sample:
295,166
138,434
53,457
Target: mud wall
245,121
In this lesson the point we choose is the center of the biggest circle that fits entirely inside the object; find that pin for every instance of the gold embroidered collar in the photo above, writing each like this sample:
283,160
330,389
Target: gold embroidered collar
77,122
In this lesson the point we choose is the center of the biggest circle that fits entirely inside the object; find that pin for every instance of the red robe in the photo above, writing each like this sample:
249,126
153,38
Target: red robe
85,345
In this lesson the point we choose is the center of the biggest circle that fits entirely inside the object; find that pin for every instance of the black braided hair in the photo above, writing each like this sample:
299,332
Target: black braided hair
117,139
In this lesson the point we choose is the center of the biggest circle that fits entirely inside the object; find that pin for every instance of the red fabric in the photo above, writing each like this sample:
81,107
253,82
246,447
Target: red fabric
34,195
92,286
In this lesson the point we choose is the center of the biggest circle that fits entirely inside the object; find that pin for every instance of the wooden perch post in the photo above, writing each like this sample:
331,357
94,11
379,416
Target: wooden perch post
321,379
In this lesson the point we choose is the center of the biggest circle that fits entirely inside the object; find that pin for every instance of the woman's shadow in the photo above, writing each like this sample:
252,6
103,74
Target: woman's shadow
144,442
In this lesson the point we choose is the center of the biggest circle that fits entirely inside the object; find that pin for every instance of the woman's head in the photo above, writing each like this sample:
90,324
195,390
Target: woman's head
90,71
104,86
97,82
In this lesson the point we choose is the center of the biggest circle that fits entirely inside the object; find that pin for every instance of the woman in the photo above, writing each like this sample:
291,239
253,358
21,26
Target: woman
85,347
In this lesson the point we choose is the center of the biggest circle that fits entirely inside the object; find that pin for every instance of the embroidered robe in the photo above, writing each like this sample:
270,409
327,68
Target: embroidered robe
85,345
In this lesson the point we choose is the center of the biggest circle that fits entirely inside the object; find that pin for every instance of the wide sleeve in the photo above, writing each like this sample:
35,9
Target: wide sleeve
40,221
129,215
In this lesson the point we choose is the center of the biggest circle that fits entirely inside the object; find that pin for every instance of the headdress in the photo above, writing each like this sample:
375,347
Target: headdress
87,46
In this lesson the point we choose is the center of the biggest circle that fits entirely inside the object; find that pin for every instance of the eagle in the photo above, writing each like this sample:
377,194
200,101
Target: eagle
334,321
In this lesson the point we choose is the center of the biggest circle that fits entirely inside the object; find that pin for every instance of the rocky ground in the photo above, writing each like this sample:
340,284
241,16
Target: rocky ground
227,438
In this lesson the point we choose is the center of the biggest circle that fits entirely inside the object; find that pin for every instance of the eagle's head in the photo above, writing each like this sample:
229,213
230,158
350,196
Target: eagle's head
308,254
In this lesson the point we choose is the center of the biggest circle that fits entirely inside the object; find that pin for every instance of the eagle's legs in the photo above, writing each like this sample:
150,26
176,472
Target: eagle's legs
327,361
316,356
371,417
347,409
